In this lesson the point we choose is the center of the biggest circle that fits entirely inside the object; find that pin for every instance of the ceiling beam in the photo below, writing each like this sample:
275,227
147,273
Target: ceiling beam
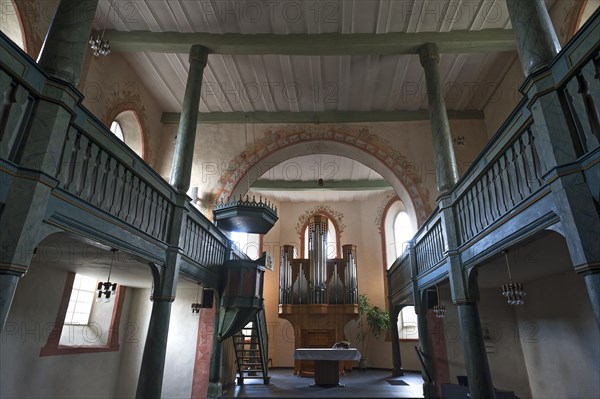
317,117
340,185
483,41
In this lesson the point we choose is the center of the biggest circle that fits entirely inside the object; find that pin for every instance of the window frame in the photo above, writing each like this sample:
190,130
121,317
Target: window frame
53,346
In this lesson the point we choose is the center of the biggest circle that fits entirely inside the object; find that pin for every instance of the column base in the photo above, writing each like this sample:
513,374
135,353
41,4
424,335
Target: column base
397,372
8,286
215,389
429,390
592,282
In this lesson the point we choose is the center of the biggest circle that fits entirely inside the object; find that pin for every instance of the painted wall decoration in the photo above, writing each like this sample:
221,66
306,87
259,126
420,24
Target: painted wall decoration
359,137
337,217
383,205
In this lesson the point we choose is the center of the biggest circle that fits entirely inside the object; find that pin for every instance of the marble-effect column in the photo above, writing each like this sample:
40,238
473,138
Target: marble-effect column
153,360
537,42
396,355
476,362
446,169
181,171
8,286
63,52
425,347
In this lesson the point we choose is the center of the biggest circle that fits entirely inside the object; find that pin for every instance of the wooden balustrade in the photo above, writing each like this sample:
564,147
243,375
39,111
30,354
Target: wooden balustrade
94,167
507,175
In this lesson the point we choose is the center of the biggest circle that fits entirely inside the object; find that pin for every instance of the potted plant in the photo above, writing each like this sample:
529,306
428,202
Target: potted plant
371,320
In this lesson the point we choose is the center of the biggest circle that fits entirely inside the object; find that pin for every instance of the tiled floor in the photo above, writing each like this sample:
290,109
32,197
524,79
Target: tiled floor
359,384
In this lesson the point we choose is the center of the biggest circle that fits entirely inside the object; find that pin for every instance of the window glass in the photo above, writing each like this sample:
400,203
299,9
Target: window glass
402,232
82,298
407,323
117,130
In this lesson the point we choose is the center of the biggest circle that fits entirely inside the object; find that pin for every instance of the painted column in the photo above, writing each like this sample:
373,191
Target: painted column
181,171
446,169
536,38
476,362
63,52
592,281
425,348
396,355
8,286
215,387
153,361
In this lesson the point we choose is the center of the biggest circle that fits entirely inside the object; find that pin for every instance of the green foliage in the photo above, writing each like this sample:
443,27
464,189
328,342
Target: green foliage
371,320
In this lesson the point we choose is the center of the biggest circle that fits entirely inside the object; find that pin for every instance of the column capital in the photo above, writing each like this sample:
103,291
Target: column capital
429,52
13,269
156,298
199,53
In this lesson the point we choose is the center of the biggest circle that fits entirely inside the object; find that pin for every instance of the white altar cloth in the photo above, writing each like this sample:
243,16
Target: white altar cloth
326,354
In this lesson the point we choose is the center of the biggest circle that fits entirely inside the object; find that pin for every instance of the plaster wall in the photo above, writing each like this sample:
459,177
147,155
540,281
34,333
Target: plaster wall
111,86
564,15
218,149
181,344
24,374
360,229
560,338
503,342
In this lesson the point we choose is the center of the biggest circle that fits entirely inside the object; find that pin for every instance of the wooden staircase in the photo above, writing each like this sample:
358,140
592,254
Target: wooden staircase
252,350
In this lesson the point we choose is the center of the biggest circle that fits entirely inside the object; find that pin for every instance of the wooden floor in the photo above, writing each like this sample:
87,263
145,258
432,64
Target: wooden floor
359,384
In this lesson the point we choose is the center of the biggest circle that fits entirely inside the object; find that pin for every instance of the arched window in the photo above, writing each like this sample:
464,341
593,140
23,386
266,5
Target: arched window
398,230
402,232
128,129
11,24
117,130
331,241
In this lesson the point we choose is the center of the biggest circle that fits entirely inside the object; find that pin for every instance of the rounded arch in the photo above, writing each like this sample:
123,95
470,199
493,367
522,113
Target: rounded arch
12,25
354,143
133,130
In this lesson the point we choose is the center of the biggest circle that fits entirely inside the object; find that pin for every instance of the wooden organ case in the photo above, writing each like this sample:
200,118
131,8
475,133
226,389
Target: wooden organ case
318,296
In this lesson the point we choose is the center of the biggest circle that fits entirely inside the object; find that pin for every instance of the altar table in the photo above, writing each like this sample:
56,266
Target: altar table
326,362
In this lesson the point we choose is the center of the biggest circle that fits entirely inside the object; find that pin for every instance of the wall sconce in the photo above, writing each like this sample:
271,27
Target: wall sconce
439,310
513,292
107,289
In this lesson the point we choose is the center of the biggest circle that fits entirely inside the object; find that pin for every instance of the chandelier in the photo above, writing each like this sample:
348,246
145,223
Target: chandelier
513,292
99,45
196,306
107,289
439,310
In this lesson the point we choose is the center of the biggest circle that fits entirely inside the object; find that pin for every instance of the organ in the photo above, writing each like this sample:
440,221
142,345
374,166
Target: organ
318,296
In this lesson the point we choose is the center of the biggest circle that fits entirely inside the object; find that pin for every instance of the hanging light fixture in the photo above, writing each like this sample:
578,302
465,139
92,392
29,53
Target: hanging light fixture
439,310
513,292
107,289
196,306
99,45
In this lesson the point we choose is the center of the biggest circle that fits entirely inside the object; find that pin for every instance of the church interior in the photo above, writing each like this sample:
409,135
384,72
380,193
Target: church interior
194,192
